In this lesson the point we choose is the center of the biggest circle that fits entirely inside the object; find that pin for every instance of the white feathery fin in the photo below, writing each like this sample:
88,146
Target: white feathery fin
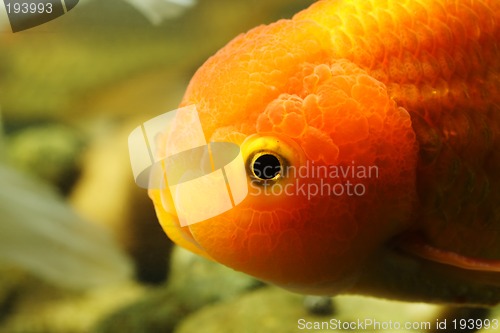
42,234
158,10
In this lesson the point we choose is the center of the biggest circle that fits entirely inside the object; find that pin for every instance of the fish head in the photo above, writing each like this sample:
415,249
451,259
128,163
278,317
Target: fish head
329,158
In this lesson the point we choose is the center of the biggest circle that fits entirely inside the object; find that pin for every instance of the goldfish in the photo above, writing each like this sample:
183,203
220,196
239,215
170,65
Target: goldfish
370,136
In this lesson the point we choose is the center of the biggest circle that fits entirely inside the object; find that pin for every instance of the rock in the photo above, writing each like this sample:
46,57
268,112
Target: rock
199,281
494,321
49,152
266,310
11,282
274,310
37,307
158,311
319,305
194,282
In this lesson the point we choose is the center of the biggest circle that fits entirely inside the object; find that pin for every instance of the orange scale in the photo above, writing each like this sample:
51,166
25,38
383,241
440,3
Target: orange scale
310,105
293,125
342,45
310,83
411,93
353,24
343,82
276,112
323,72
264,124
318,146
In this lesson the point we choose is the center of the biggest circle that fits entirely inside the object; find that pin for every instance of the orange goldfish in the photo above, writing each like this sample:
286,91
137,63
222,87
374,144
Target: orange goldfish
370,136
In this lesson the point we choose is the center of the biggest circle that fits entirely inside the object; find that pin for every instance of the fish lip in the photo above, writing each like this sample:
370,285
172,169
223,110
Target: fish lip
414,243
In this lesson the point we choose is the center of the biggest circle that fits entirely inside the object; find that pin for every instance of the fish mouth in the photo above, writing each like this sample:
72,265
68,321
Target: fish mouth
415,244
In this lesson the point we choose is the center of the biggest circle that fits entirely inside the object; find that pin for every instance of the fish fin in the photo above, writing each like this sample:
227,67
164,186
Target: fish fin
158,10
41,233
417,246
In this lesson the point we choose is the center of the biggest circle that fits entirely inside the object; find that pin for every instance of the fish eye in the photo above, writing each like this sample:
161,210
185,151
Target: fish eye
266,166
270,157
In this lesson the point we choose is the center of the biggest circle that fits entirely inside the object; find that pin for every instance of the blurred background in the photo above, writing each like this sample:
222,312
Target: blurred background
80,247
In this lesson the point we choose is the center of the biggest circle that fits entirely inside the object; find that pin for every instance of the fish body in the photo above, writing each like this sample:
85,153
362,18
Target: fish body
397,103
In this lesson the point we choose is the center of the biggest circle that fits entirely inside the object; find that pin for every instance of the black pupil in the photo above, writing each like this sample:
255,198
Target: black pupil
266,166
